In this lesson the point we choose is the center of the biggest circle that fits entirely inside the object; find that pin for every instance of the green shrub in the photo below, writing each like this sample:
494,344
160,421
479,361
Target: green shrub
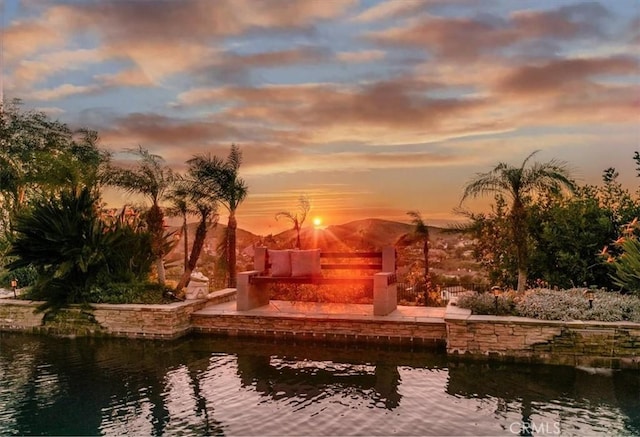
487,304
26,276
125,293
72,249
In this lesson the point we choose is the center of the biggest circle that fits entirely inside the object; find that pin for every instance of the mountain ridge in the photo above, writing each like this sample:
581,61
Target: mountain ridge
372,232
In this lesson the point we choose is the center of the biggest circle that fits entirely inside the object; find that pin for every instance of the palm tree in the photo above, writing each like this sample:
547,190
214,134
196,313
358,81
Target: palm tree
203,203
72,248
222,179
421,233
151,178
521,184
297,219
179,206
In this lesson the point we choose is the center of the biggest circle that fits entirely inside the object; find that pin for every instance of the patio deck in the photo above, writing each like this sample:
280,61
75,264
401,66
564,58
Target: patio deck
326,322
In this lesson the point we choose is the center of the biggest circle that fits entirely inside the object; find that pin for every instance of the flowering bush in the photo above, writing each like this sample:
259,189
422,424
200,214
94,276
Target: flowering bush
566,305
627,262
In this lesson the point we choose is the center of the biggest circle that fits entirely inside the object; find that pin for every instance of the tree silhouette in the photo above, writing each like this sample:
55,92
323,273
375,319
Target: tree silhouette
150,178
203,202
521,184
222,179
421,233
297,218
180,206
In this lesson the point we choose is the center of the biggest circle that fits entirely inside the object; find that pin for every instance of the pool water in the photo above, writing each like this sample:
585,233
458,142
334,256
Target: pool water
230,386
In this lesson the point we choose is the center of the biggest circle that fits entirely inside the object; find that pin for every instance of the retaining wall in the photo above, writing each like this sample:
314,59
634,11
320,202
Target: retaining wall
135,321
363,329
519,339
514,339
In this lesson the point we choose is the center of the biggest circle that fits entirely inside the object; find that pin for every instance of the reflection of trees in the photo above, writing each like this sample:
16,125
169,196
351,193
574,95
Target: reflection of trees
509,382
306,371
71,407
114,386
288,379
627,392
540,384
91,375
197,371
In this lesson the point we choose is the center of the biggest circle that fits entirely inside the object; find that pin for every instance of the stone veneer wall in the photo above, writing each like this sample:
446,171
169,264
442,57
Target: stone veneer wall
591,344
519,339
367,329
135,321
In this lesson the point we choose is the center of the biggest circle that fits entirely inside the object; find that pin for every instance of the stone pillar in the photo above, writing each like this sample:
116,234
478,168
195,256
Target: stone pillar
260,259
249,295
385,294
389,259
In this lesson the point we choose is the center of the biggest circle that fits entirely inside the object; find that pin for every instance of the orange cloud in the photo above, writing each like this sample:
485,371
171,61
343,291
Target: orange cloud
27,73
361,56
61,91
452,38
398,9
131,77
160,40
23,39
579,20
564,75
468,38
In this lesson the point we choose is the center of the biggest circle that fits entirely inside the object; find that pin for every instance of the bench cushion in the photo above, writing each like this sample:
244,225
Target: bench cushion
305,263
280,262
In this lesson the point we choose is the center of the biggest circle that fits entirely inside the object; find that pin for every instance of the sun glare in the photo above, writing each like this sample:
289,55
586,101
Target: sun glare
317,222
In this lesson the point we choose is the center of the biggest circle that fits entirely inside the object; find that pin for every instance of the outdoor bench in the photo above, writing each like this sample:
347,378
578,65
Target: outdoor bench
319,268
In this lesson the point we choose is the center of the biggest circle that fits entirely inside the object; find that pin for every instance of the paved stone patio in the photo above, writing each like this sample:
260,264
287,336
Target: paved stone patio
327,310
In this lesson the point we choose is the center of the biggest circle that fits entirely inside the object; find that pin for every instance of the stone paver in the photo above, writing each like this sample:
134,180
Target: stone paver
317,309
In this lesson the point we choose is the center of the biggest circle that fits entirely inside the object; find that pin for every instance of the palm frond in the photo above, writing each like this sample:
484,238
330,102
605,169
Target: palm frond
420,227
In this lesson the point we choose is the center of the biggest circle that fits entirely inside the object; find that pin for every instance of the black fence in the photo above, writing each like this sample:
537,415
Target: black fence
415,293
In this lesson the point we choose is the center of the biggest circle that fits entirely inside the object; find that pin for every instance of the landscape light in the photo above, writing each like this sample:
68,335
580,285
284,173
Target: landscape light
496,292
590,295
14,285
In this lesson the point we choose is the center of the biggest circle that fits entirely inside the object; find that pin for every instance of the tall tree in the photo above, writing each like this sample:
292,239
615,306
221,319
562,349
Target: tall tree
150,178
180,206
221,177
39,158
493,248
297,218
421,233
521,184
203,201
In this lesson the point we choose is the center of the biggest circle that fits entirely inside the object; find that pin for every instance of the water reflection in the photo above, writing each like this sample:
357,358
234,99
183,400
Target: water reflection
309,379
554,392
210,386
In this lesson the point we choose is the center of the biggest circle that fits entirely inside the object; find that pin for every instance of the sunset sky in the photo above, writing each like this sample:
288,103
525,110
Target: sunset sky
371,108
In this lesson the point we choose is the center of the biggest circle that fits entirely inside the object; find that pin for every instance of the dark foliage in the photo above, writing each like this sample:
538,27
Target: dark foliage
73,249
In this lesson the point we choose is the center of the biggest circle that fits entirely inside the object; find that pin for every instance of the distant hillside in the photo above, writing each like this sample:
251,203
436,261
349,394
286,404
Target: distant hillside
366,234
214,236
449,254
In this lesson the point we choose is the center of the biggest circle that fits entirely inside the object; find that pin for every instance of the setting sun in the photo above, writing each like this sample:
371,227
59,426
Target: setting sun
317,222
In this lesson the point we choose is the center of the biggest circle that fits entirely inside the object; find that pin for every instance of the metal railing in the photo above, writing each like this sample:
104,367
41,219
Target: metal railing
415,293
